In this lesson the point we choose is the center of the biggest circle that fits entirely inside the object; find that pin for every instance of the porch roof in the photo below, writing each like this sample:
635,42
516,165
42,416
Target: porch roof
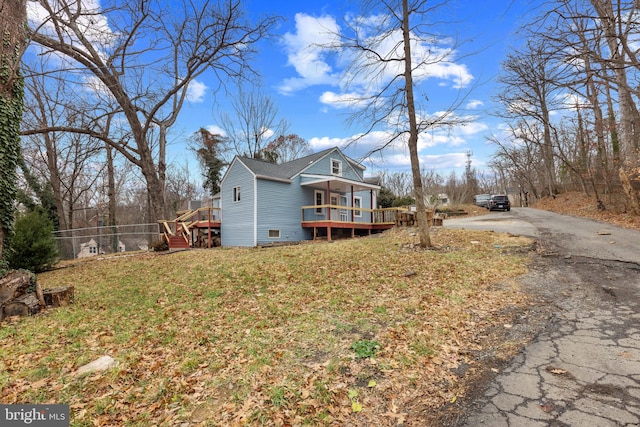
336,183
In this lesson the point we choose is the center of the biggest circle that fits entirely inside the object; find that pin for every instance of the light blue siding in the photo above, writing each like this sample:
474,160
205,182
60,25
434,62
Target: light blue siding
269,209
365,199
237,227
279,209
323,167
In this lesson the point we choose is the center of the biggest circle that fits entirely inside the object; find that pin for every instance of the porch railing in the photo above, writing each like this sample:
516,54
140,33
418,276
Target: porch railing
350,214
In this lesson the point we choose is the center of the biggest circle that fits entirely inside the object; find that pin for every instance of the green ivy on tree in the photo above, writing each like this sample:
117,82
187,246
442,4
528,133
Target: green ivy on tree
11,106
12,24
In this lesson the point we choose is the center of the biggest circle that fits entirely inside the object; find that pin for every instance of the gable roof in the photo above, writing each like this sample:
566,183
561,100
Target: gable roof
286,171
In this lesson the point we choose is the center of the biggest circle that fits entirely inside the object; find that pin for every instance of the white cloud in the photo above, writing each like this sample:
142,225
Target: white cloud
474,103
342,100
315,64
196,91
400,161
93,25
216,130
91,22
318,144
307,54
443,161
472,128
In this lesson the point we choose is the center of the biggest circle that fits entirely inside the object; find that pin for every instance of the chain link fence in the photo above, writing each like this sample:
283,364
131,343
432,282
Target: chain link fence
101,240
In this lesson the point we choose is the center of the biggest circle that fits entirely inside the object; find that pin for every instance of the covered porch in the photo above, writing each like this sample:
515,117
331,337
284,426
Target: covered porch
346,221
344,208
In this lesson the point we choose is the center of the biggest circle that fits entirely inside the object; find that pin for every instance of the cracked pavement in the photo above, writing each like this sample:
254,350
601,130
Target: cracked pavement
583,366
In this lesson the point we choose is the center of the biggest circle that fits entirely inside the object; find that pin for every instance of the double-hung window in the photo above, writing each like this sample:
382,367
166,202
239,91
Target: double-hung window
336,167
357,204
236,194
319,196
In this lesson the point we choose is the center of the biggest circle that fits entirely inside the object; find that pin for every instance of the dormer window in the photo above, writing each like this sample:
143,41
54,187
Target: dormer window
336,167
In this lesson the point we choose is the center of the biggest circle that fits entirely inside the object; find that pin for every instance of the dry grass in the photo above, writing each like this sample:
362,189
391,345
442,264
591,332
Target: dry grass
369,331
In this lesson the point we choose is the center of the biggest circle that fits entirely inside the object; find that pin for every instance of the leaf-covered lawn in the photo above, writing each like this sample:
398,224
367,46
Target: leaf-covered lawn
369,331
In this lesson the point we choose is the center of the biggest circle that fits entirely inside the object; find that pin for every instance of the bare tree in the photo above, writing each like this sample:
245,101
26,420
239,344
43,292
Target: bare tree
389,51
140,57
64,159
529,80
517,157
288,147
619,21
400,183
251,124
12,18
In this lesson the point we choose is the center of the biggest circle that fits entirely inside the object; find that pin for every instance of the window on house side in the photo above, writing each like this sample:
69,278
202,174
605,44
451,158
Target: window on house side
236,194
336,167
357,204
274,234
319,195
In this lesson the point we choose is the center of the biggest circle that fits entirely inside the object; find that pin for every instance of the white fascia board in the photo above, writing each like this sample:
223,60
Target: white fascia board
317,179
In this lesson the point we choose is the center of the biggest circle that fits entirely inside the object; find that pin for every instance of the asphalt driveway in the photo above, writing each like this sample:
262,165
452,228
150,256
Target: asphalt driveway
583,366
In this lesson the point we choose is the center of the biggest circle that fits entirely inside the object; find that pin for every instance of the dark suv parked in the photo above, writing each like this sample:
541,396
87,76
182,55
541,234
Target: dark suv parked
499,202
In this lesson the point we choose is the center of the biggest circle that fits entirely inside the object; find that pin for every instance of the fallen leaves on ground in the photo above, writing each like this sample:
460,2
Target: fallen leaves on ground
265,336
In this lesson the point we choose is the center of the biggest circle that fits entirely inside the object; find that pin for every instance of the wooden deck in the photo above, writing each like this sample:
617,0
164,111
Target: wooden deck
201,227
329,221
192,229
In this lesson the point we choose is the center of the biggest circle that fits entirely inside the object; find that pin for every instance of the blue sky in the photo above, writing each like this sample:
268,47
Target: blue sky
305,86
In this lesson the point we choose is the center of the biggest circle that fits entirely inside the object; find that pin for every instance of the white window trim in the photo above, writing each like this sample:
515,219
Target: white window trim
236,194
357,213
273,230
339,164
319,211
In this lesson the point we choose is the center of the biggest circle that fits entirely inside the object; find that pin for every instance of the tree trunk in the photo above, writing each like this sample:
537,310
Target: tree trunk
13,15
59,297
14,284
629,165
25,305
113,203
421,214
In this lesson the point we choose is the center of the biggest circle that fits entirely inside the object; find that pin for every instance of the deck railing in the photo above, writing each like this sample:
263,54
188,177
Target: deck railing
186,220
350,214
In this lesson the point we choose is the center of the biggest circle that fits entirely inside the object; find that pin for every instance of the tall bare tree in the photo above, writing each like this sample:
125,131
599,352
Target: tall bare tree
12,19
530,80
288,147
140,57
63,159
620,22
390,48
251,124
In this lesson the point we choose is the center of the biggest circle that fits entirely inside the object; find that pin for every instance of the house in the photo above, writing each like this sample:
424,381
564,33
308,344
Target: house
88,249
91,248
322,195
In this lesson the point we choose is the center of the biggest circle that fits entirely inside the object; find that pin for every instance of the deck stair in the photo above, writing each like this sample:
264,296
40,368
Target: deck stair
183,232
177,242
